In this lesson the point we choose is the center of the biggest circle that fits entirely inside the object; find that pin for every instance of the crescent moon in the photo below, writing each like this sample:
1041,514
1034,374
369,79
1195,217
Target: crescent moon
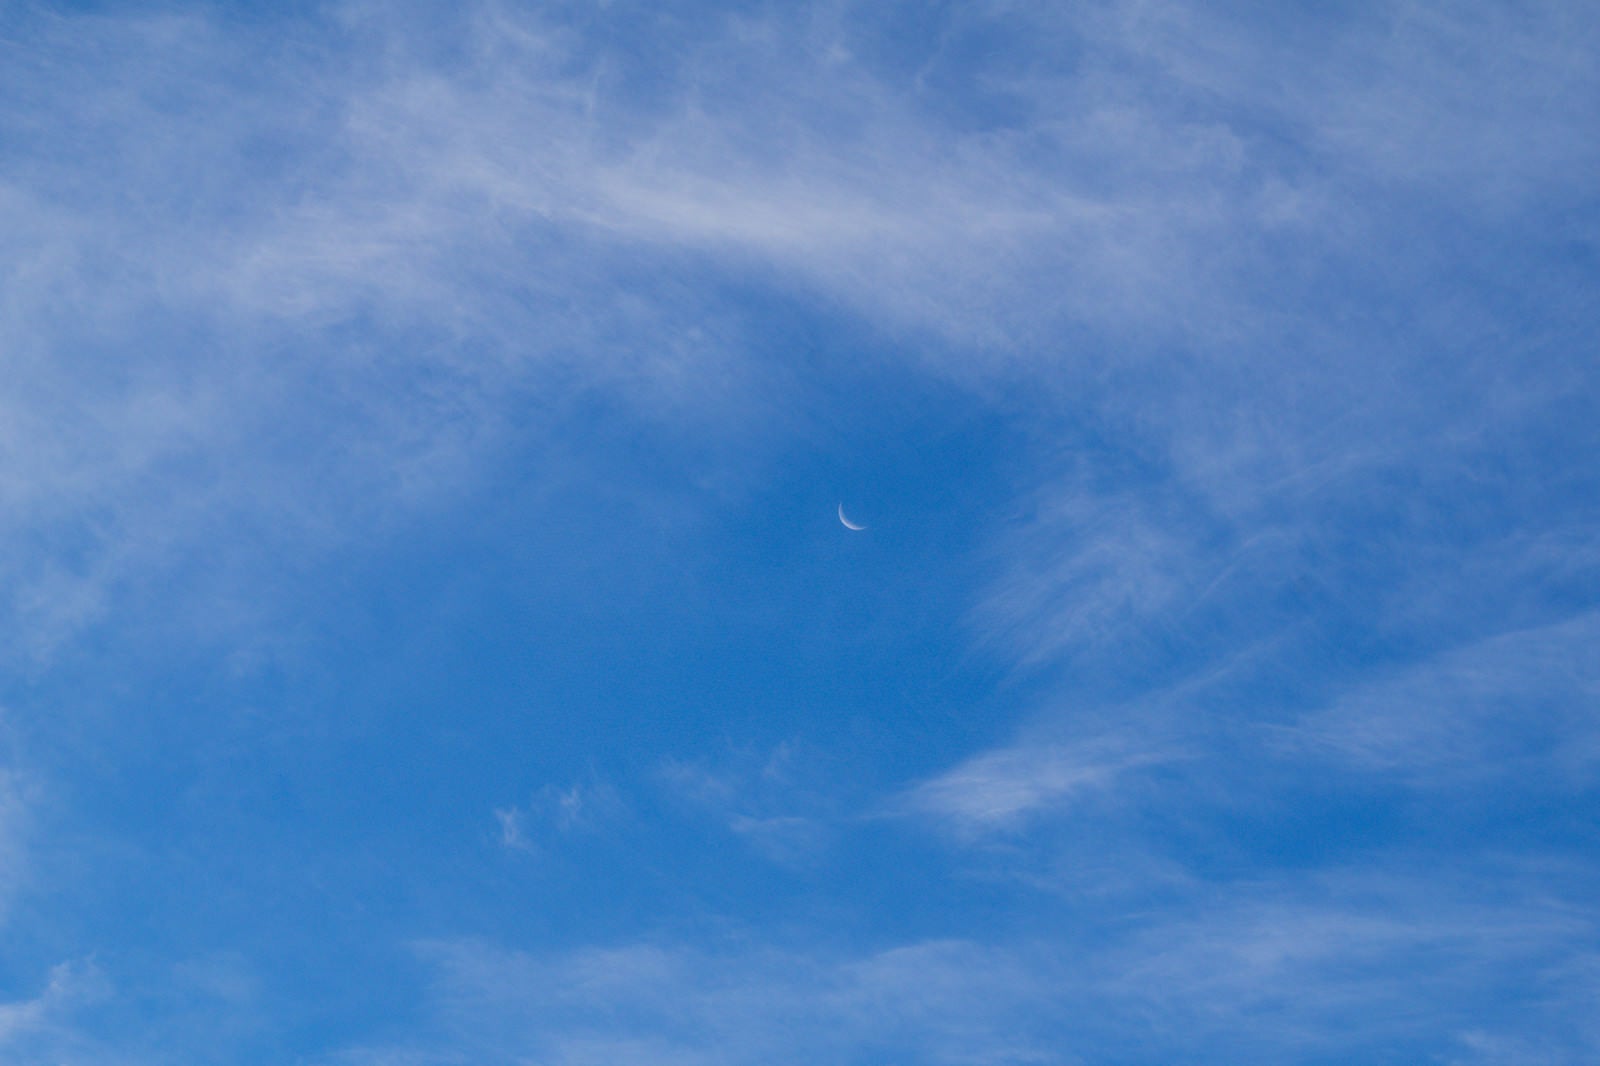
847,523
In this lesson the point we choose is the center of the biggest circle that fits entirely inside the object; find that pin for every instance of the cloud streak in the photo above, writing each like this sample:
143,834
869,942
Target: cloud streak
1002,789
1517,704
1282,316
1338,965
474,196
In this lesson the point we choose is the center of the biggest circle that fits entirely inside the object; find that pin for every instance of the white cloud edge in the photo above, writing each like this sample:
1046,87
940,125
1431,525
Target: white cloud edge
1280,966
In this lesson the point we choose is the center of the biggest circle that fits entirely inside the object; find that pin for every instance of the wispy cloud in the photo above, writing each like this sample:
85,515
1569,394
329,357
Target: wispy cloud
1321,966
1282,309
1378,959
780,802
1083,571
1463,101
556,812
950,1001
1002,789
1520,703
509,205
43,1028
18,799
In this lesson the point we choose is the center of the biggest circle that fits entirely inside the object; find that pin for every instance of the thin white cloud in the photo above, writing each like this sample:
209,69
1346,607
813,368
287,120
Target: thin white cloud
1363,959
1084,571
43,1029
781,802
18,797
512,833
1520,703
1466,101
477,201
1273,969
196,222
946,1001
1002,789
791,839
556,812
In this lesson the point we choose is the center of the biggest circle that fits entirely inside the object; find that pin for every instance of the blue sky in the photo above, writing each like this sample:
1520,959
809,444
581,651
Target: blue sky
428,637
